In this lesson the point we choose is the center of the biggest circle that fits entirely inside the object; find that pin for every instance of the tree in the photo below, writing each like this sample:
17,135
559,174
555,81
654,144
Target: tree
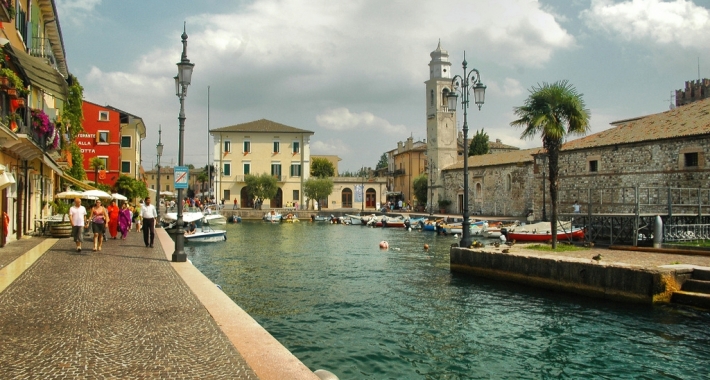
322,168
130,187
554,111
263,186
202,178
421,188
96,164
479,144
318,189
72,118
383,162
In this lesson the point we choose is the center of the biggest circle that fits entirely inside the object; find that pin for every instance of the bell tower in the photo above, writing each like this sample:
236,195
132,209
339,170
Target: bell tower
442,142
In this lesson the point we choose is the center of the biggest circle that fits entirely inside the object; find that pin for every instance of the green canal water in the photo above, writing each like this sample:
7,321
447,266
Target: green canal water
338,302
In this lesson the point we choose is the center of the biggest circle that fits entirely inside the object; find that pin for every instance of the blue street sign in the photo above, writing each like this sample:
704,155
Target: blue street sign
181,177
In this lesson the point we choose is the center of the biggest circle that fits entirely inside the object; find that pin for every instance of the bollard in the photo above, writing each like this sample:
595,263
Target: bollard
658,232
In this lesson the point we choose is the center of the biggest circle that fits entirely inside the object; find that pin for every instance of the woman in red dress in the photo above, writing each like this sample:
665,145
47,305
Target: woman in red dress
113,212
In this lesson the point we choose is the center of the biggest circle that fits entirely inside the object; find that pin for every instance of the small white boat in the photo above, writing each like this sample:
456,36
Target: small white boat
203,235
352,219
273,217
212,217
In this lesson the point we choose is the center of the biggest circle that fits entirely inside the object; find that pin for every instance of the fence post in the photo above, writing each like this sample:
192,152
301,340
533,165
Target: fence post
670,204
588,227
636,216
700,207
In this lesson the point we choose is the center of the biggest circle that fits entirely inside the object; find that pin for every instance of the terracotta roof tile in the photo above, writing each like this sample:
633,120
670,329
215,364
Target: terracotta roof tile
262,125
689,120
503,158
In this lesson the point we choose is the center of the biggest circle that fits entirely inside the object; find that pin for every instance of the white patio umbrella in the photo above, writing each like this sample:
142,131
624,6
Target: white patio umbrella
69,194
167,193
97,194
119,197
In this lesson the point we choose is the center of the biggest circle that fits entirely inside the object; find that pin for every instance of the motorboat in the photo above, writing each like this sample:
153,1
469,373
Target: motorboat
543,232
203,234
319,218
352,219
212,217
397,222
273,217
290,218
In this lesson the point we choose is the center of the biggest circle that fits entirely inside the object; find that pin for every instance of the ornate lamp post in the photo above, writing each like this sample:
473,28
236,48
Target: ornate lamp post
182,80
159,148
464,84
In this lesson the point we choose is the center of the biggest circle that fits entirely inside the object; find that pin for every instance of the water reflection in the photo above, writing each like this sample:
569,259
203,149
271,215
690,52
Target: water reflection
337,301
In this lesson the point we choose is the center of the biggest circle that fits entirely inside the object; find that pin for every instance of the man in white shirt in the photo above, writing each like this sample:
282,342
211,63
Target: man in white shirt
77,214
148,213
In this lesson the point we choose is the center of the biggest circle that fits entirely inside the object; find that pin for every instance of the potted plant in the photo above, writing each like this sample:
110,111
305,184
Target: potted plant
14,81
443,205
61,229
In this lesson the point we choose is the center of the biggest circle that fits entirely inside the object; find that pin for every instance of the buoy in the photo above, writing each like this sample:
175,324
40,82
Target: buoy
456,236
409,229
384,244
502,238
426,247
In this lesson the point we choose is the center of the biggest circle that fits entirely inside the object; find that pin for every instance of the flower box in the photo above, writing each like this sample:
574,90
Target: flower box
11,92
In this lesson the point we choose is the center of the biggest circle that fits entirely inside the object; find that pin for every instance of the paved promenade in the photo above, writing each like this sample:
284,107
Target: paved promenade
125,312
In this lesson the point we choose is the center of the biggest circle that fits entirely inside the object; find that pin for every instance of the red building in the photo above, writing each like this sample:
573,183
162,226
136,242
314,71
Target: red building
101,138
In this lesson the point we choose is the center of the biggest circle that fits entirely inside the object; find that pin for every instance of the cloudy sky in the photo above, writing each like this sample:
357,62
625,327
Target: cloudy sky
354,71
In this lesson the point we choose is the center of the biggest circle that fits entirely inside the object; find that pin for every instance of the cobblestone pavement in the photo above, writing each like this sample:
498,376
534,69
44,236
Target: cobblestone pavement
15,249
119,313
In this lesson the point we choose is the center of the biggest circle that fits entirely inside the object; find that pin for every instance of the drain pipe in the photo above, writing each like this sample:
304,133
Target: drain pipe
658,232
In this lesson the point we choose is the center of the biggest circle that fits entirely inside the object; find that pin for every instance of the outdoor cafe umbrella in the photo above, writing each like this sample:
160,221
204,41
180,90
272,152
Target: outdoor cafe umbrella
119,197
69,194
97,194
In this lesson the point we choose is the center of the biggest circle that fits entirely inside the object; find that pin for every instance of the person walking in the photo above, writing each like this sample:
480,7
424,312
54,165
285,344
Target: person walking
77,215
99,219
139,206
148,214
113,212
235,204
124,220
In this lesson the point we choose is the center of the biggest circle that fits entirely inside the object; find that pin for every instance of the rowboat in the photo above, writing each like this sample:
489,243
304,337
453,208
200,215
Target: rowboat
290,218
542,232
352,219
397,222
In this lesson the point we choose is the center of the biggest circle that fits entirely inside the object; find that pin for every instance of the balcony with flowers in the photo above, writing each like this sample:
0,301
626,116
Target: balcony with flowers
7,10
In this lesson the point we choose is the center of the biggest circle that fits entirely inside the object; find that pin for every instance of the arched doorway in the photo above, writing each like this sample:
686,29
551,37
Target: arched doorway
347,198
370,198
277,201
246,200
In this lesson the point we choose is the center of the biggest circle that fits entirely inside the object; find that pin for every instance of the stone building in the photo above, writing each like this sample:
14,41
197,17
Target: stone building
658,151
694,91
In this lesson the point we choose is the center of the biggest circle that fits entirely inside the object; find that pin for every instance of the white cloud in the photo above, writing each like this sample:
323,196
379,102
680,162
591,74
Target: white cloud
509,88
76,11
341,119
678,22
329,147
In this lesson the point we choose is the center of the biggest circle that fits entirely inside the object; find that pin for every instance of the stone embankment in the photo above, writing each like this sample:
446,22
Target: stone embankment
630,276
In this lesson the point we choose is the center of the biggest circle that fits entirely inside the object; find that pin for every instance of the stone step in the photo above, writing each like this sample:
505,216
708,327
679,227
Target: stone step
696,286
701,274
700,300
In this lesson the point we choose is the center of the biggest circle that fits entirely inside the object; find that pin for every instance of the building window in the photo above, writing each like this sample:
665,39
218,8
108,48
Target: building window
227,194
276,170
227,146
102,137
295,170
227,169
431,98
247,146
152,187
296,195
593,166
167,187
691,160
296,147
152,177
103,115
509,182
125,166
247,168
125,141
277,148
168,177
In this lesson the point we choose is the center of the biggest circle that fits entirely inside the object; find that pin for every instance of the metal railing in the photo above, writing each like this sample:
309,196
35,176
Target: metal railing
638,200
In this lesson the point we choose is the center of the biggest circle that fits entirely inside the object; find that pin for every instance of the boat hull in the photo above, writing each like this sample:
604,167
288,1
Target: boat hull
576,234
206,237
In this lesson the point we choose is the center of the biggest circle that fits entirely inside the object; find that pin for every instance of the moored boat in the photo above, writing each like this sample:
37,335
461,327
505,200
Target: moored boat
273,217
543,232
290,218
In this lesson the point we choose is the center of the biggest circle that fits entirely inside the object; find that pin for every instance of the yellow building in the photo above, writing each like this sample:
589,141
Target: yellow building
409,161
31,83
258,147
133,132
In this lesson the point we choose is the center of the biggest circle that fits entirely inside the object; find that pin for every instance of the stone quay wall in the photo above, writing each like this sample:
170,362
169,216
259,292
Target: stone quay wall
579,276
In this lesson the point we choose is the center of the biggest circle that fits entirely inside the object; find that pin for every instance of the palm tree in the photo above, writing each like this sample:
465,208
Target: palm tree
554,111
97,164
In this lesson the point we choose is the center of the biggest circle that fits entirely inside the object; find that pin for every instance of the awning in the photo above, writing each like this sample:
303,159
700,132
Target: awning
6,179
39,73
52,165
76,182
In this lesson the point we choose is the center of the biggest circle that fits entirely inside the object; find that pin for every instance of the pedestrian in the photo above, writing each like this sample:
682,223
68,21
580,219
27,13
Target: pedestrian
113,212
124,220
235,204
576,207
148,214
137,212
77,215
99,219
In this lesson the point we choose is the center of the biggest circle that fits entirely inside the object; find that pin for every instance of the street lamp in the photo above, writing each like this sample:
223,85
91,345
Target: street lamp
463,84
182,80
159,148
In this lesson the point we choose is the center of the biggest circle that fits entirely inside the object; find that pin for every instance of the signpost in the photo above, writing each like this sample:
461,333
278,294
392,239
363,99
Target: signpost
181,177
